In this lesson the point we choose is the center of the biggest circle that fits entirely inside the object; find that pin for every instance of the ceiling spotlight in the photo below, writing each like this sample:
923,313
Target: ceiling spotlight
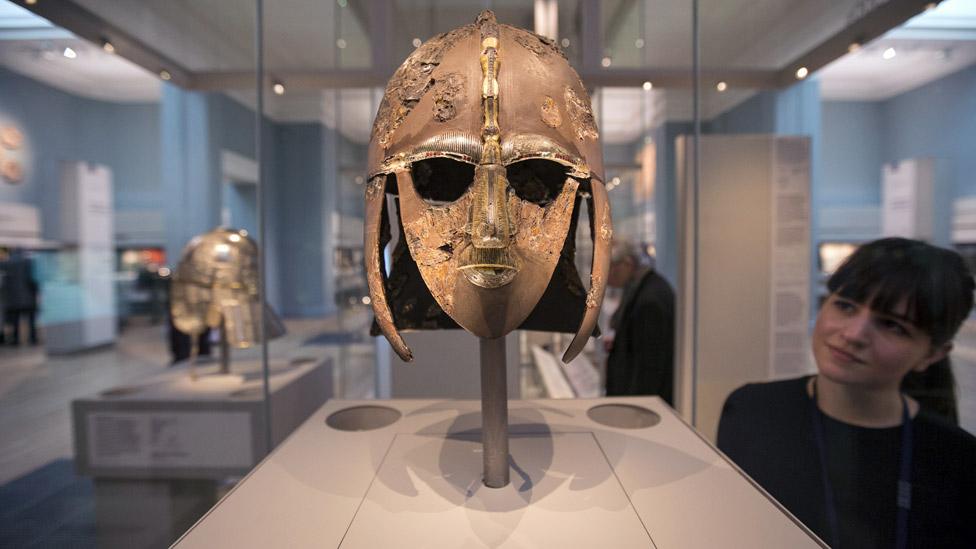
69,53
801,73
647,86
931,6
639,43
564,42
605,62
278,88
888,53
107,46
165,75
853,47
341,43
30,2
416,42
721,86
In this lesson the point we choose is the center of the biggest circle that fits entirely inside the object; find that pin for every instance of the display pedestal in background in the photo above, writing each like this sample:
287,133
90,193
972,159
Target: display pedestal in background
78,312
158,449
407,473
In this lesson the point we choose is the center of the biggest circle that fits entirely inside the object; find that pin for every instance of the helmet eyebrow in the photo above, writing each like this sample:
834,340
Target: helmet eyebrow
526,147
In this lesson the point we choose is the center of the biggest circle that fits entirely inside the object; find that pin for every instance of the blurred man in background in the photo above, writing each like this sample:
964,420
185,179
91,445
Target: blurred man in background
641,350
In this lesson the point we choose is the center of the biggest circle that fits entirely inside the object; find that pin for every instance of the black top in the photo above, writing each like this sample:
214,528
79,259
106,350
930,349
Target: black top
641,361
767,429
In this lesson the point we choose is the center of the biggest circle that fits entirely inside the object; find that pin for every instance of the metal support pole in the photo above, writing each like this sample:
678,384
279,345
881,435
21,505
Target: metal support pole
494,412
224,348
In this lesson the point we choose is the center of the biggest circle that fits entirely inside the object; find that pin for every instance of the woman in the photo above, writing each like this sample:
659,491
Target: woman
845,450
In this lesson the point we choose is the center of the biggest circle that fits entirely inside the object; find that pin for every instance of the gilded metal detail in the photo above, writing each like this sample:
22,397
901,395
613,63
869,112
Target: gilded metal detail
528,146
581,115
550,113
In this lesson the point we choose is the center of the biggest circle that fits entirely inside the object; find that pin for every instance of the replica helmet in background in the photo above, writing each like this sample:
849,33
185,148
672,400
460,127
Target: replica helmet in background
487,137
216,285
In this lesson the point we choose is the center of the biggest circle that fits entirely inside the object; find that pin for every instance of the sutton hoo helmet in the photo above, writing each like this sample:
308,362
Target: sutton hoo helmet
216,285
487,137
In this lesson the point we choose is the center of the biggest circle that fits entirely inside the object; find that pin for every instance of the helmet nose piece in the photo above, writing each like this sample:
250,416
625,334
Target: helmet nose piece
489,261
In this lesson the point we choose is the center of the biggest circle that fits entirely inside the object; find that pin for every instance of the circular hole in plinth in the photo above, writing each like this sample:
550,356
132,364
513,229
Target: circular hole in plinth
623,416
362,418
121,391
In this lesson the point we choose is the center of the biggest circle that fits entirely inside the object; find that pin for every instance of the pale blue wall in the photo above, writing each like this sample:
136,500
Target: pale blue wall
60,127
853,152
300,183
937,120
166,156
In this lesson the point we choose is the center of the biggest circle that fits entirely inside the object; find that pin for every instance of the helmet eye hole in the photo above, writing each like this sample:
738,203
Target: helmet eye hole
441,180
537,181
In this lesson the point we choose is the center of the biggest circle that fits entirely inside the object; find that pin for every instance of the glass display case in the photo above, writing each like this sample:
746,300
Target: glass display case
747,151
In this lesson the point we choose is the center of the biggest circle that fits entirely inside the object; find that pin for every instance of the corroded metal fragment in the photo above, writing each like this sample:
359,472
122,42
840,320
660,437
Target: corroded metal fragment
606,226
550,113
411,81
542,230
448,95
435,237
537,44
375,186
595,289
581,115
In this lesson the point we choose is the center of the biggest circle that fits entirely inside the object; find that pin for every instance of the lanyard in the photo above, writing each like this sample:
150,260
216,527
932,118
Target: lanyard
904,494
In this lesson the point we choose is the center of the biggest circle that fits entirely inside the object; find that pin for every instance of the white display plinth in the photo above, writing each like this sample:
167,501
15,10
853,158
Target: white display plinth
575,483
159,448
171,426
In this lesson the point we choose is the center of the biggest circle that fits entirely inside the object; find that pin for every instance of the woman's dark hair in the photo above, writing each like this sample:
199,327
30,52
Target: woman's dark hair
939,293
934,281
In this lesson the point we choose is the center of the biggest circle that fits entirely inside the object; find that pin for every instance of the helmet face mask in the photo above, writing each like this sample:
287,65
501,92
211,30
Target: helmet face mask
489,167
